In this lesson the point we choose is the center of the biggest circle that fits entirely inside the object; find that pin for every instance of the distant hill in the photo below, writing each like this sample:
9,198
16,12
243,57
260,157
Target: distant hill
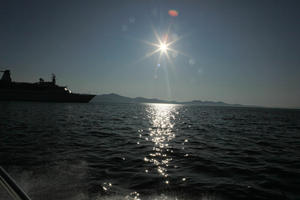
115,98
112,98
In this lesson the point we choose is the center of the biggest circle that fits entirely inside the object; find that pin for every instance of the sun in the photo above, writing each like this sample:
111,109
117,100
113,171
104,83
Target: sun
163,47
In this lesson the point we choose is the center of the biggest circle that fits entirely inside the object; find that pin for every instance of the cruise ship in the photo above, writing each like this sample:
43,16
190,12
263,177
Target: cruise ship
40,91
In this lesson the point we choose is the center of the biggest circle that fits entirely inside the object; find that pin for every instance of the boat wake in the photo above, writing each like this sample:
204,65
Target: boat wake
70,182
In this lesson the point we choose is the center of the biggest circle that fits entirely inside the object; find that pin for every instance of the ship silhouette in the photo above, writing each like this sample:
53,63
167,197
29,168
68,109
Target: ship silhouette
40,91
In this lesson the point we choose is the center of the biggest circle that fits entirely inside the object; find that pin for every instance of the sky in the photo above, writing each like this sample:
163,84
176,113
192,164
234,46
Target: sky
235,51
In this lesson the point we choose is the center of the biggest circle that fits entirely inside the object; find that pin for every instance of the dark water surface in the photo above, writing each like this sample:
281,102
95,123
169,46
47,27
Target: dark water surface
150,151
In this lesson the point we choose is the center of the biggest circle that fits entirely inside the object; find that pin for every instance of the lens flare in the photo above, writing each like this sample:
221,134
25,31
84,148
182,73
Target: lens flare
173,13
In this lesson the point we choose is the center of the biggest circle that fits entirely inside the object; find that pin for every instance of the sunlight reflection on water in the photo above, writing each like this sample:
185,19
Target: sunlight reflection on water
160,134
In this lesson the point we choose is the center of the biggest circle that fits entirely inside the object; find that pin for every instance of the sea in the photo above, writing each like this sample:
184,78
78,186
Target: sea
106,151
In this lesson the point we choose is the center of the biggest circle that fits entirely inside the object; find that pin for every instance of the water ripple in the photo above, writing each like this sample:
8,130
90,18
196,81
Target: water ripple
150,151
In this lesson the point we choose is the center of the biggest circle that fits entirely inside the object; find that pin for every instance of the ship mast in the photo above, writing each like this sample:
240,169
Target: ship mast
53,79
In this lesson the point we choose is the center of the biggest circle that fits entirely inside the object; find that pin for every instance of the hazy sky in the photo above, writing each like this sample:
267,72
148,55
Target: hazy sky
234,51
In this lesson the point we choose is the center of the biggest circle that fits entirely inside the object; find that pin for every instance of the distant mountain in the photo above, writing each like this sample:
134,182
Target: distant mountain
112,98
211,103
115,98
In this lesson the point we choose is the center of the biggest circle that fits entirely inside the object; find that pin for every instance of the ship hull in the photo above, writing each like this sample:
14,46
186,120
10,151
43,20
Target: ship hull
44,96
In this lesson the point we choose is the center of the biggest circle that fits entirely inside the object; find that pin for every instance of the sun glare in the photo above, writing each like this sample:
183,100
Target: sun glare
163,47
